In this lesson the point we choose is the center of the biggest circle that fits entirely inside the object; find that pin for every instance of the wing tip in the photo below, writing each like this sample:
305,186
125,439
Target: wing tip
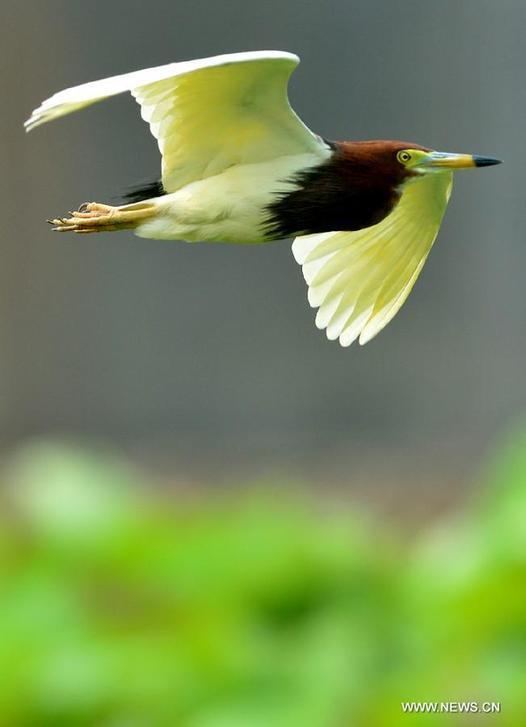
344,343
32,122
38,117
366,336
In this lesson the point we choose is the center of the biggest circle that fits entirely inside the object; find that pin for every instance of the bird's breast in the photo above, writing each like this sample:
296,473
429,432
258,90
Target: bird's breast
328,198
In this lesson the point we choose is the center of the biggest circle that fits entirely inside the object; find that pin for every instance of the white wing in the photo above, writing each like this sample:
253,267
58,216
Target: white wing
360,280
207,115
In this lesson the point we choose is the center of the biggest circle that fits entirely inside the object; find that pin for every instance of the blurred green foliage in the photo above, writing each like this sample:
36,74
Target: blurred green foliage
121,606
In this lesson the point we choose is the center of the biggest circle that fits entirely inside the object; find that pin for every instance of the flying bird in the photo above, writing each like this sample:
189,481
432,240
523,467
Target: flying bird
238,165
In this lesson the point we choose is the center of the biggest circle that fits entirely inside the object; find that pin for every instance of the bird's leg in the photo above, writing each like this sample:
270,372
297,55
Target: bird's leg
97,217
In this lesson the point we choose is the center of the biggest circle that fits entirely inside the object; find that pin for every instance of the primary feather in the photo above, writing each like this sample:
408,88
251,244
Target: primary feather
359,280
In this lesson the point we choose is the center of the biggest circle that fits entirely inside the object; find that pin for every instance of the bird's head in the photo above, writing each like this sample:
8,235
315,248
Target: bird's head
393,163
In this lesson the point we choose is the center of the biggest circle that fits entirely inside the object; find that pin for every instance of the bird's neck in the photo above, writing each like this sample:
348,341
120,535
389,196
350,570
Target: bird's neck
346,192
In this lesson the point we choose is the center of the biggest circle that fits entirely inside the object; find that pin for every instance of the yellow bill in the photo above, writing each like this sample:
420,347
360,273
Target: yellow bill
447,160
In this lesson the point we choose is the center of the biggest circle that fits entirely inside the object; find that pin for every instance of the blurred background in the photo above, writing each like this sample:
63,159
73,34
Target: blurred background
316,529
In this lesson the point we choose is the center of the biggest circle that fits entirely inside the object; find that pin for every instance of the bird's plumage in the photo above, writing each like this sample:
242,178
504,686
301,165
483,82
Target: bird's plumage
143,191
359,280
238,165
207,115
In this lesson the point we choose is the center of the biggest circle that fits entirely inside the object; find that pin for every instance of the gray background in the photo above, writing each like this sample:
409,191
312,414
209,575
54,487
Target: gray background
208,355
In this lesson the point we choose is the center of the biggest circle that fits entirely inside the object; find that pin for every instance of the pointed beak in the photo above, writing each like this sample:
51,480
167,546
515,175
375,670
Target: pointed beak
445,160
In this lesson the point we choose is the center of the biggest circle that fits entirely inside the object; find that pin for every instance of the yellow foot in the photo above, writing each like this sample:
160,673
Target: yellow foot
97,217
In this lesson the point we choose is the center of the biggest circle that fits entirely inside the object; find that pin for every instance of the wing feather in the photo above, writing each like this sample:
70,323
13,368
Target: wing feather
360,280
207,115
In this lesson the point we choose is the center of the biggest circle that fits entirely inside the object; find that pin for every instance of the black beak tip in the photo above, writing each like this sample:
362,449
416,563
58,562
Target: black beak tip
485,161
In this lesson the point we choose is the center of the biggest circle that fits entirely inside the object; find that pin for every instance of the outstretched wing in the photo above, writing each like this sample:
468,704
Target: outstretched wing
206,115
360,280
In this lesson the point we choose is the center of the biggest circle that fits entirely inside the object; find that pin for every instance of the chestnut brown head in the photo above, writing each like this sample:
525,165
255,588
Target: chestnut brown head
391,163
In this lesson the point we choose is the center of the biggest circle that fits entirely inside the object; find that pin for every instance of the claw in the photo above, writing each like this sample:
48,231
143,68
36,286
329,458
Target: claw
97,217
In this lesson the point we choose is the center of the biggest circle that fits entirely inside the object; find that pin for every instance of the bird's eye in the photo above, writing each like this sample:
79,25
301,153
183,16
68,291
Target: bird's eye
403,156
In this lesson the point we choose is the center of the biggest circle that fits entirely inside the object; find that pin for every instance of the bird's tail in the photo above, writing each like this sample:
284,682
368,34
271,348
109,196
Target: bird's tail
143,191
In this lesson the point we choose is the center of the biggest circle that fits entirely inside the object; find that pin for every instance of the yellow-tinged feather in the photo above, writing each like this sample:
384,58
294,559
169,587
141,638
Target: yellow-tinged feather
207,115
360,280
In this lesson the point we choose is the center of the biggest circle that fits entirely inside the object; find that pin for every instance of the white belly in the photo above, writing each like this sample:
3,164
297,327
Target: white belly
229,207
